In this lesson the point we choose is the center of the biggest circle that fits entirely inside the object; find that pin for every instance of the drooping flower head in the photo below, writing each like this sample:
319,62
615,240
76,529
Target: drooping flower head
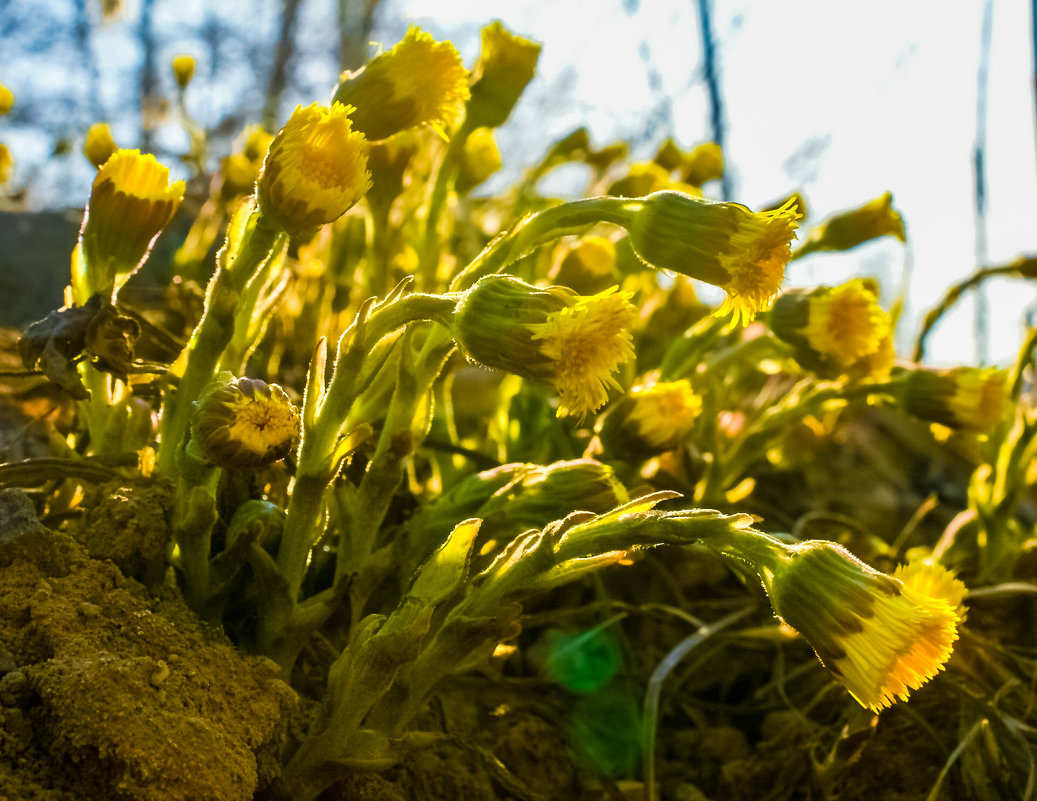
419,82
959,397
724,244
315,169
131,202
552,335
244,422
848,229
880,636
841,325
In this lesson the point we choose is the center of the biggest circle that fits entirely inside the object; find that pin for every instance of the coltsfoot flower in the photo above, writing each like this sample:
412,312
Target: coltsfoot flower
849,229
6,164
553,335
419,82
653,417
315,169
480,160
724,244
959,397
244,422
705,163
99,145
506,64
130,203
587,265
6,100
880,636
840,324
183,70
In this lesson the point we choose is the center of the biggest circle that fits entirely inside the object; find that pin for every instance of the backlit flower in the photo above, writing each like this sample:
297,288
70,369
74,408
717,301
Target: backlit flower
419,82
99,145
6,100
959,397
725,244
131,202
183,70
315,169
244,422
552,335
880,636
652,417
506,64
849,229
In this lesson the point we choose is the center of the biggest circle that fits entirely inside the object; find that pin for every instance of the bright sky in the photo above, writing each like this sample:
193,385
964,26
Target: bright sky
842,101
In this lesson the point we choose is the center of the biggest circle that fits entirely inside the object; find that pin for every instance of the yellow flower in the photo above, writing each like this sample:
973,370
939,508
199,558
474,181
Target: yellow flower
552,335
6,164
480,160
929,577
244,422
959,397
130,203
840,324
183,70
99,145
724,244
880,636
849,229
642,179
587,265
506,64
238,171
419,82
315,170
705,163
6,100
653,417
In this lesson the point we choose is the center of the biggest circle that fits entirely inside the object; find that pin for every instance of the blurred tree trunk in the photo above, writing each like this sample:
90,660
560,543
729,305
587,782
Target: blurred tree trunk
282,59
83,31
150,100
355,22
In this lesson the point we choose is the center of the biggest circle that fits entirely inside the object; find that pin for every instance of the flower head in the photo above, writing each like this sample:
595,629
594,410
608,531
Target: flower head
99,145
419,82
849,229
653,417
506,64
725,244
6,100
959,397
553,335
480,160
880,636
587,265
131,202
183,70
704,163
315,169
6,164
841,325
244,422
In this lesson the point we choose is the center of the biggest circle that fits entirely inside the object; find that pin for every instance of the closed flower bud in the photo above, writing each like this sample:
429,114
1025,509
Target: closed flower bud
838,325
506,64
183,70
99,145
587,265
959,397
6,100
419,82
669,156
551,335
852,228
724,244
880,636
130,203
245,423
315,170
6,164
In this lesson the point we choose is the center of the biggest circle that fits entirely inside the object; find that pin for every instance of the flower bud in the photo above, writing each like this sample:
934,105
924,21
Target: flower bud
506,65
6,100
130,203
724,244
479,161
552,335
244,422
587,265
315,169
705,163
99,145
653,417
419,82
183,70
959,397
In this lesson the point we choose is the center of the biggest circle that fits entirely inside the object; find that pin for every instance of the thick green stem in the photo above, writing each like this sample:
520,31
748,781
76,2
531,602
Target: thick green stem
214,332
